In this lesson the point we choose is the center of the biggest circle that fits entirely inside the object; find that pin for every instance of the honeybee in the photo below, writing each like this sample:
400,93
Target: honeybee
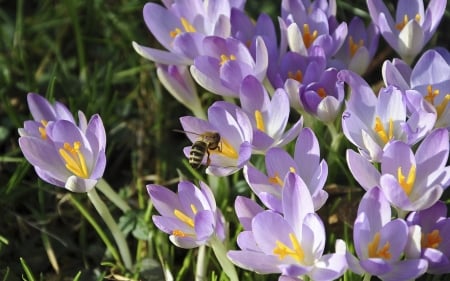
206,141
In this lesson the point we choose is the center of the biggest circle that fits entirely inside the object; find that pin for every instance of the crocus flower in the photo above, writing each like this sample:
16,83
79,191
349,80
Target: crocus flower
181,26
324,97
309,26
371,121
66,155
381,243
236,134
410,181
246,209
412,27
435,230
269,117
178,81
293,245
359,47
306,163
226,62
190,216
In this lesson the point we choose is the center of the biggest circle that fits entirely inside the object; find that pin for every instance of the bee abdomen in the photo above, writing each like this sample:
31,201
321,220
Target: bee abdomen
197,153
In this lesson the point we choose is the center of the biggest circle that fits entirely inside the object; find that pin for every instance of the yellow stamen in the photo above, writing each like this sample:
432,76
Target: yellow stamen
298,75
381,132
353,47
226,149
321,93
373,250
405,20
276,179
42,129
441,107
75,161
194,209
407,183
282,250
183,217
260,121
431,94
308,38
180,233
186,25
431,240
224,58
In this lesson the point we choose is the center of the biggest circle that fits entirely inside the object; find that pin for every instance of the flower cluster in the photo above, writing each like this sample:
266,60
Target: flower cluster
401,132
272,88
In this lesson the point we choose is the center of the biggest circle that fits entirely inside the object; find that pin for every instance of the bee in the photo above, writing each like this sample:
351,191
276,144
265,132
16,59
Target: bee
206,142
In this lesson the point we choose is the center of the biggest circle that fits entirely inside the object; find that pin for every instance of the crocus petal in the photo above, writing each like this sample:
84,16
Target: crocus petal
406,270
246,210
160,56
164,200
254,261
76,184
329,267
362,170
204,224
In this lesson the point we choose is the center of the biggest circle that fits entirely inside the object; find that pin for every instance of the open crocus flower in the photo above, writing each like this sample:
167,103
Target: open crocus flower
359,47
306,163
294,242
66,155
410,181
226,62
234,148
269,117
435,230
370,121
381,243
190,216
412,27
181,26
312,25
62,153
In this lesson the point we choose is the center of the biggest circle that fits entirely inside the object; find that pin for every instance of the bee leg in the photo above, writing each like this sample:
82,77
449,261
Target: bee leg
208,160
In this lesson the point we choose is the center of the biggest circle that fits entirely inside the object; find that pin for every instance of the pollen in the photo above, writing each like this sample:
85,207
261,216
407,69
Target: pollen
42,129
375,251
379,129
224,58
282,250
321,92
298,75
407,183
260,121
186,26
74,158
180,233
399,26
432,239
353,47
308,37
226,150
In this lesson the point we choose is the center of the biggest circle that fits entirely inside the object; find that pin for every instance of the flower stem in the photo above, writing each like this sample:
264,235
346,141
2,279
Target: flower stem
97,228
106,189
113,227
367,277
221,254
200,270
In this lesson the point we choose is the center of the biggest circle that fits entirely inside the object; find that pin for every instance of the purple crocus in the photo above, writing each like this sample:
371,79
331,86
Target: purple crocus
370,121
62,153
236,135
312,25
435,230
269,117
178,81
181,26
293,245
359,47
324,97
306,163
412,27
226,62
410,181
190,216
381,243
